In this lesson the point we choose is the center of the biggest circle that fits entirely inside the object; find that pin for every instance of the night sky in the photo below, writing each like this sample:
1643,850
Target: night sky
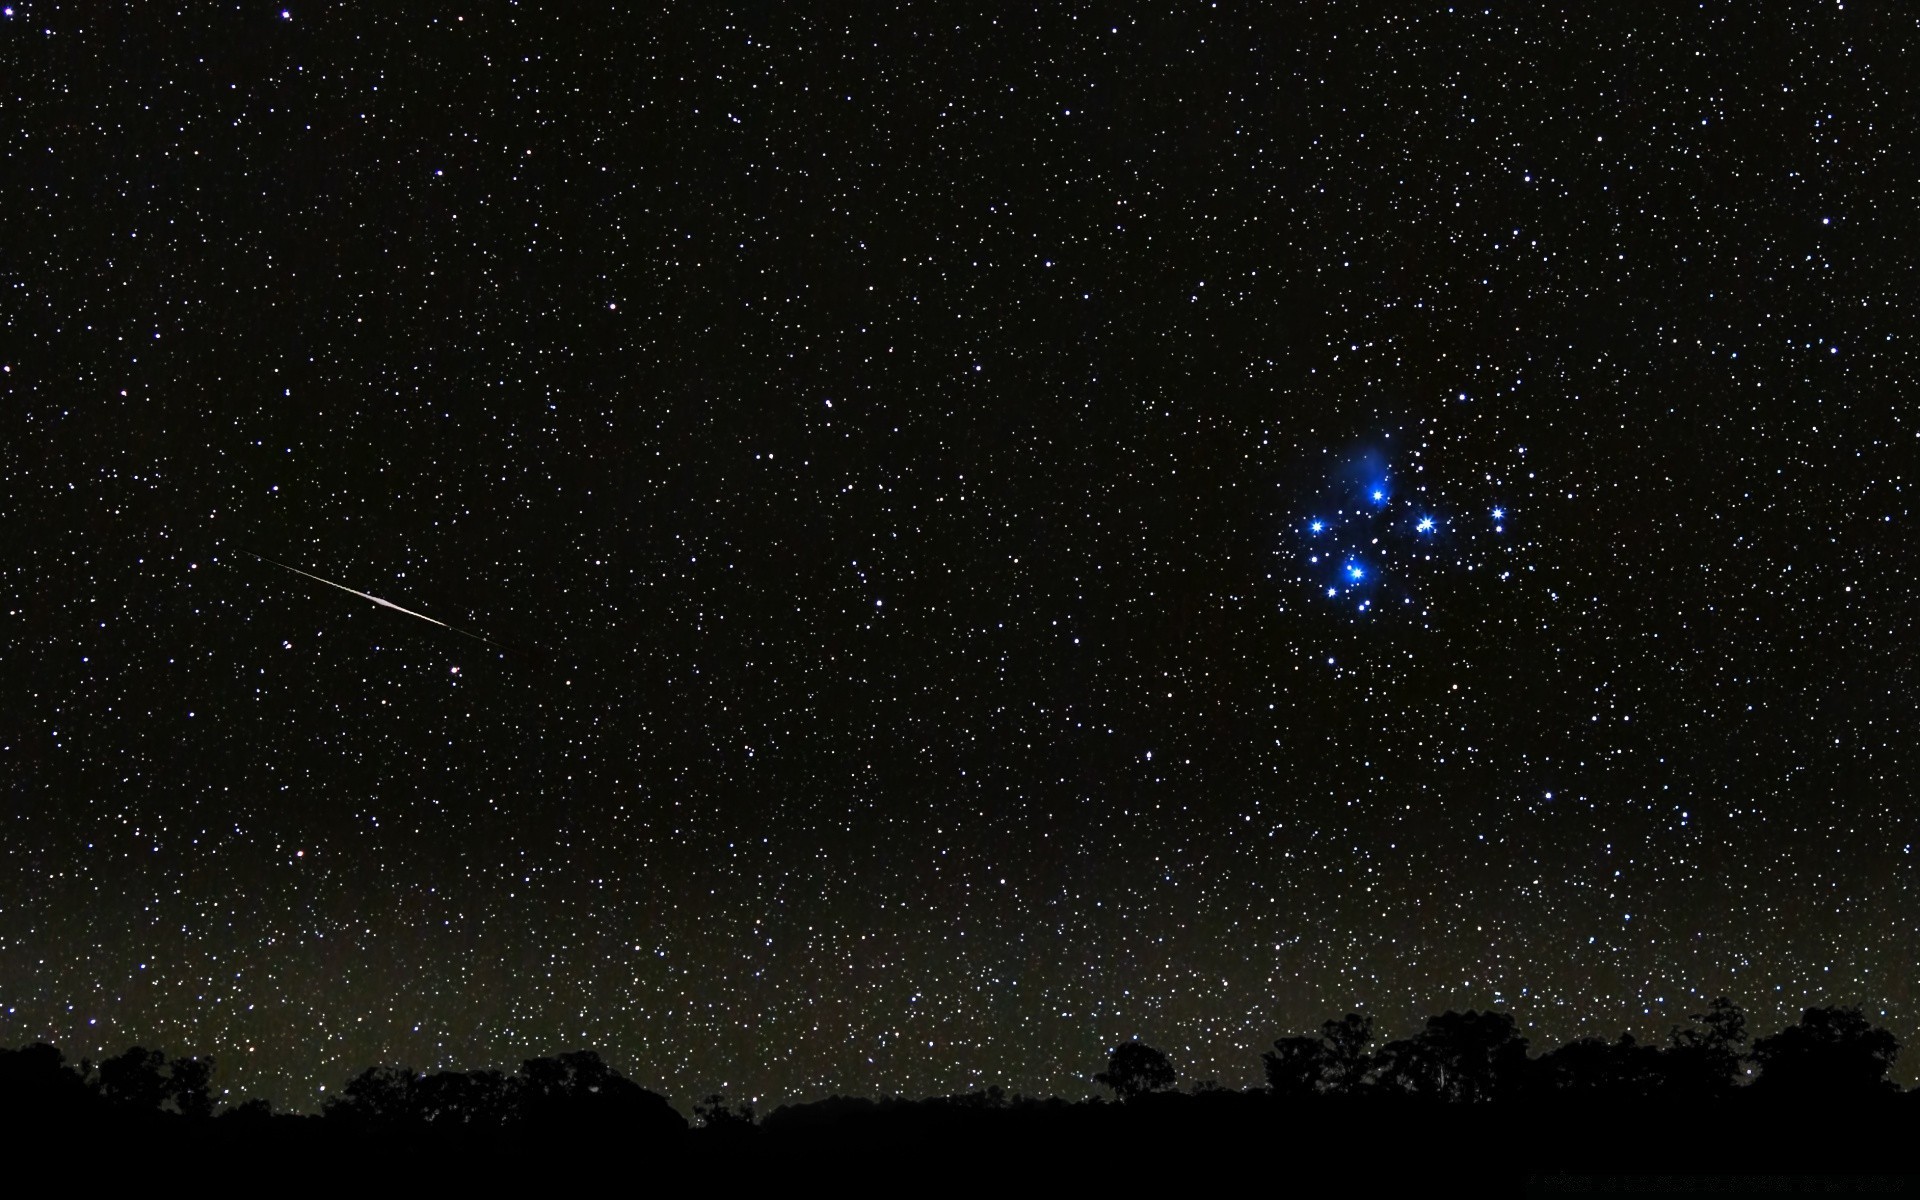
994,536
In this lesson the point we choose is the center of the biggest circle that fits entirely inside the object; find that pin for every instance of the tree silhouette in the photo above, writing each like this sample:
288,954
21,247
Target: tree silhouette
1336,1062
727,1125
133,1081
37,1086
190,1087
714,1112
1832,1054
1592,1100
578,1095
1461,1058
1347,1059
1295,1066
1705,1060
1599,1069
575,1095
253,1113
1134,1069
377,1097
460,1099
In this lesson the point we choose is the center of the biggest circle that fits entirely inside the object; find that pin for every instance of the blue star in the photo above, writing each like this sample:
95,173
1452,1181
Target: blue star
1356,572
1318,527
1499,514
1425,525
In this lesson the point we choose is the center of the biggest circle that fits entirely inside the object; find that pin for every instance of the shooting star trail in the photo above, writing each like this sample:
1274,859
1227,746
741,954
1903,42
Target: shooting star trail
369,596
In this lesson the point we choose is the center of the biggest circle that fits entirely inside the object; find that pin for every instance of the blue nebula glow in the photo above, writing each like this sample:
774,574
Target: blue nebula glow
1370,476
1378,542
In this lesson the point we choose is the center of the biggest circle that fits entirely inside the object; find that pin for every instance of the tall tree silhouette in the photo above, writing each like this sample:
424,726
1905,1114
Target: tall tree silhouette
1832,1054
1295,1066
190,1087
1134,1069
1347,1059
1706,1058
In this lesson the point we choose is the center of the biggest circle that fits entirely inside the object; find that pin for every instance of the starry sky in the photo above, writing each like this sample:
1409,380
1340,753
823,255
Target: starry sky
993,534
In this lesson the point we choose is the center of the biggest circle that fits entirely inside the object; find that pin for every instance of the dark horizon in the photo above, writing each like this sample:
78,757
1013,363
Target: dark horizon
1712,1110
989,536
1829,1055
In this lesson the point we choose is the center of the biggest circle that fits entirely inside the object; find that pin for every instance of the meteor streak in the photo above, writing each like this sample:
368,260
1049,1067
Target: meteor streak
368,596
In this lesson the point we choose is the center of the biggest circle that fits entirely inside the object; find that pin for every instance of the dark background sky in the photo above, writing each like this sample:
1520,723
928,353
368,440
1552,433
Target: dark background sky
884,445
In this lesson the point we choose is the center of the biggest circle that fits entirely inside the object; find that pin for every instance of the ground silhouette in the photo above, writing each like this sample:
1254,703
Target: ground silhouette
1461,1095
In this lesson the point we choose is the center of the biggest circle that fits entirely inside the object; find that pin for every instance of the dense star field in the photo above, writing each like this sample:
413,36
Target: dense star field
995,535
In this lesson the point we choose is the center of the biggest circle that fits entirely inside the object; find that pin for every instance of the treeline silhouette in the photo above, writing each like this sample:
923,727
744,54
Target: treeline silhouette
1464,1090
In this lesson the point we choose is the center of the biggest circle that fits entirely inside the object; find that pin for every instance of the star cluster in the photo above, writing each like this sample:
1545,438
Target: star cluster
1367,542
886,450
